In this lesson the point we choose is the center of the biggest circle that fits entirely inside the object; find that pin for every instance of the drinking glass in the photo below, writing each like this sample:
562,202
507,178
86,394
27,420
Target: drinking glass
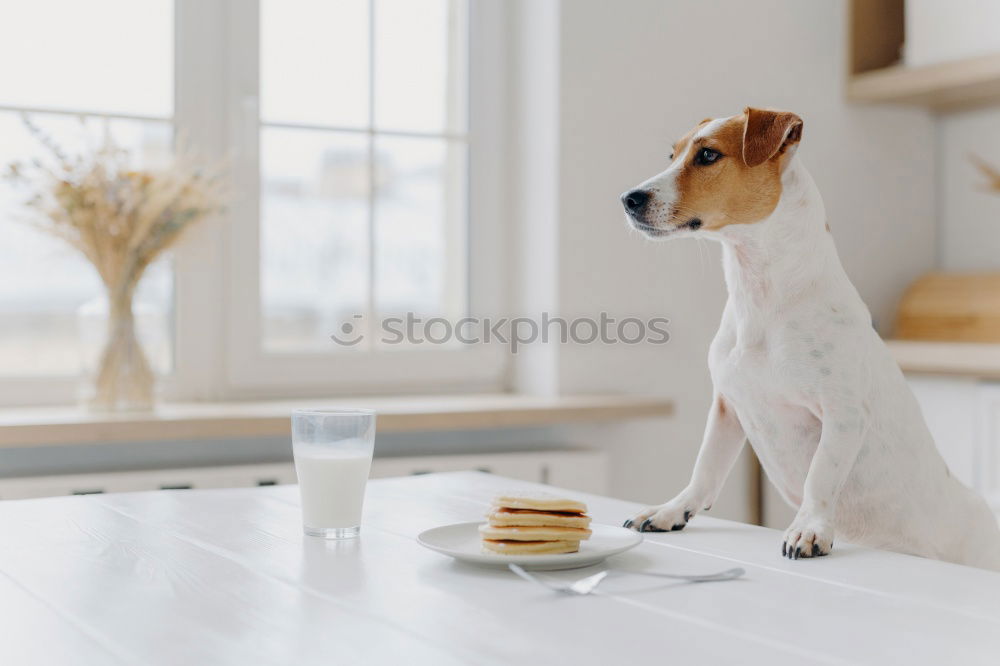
333,455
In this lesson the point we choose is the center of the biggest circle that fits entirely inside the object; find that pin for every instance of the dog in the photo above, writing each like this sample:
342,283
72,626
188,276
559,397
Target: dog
797,368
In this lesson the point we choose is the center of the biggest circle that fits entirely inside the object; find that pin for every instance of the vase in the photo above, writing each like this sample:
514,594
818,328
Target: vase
117,374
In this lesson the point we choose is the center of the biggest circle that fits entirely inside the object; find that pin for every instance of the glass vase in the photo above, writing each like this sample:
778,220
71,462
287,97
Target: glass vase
117,374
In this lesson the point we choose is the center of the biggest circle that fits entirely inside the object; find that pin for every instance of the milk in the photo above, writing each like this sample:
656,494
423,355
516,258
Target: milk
332,485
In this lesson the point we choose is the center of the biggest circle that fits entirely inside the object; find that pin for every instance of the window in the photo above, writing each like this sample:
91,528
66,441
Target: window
362,156
354,131
71,88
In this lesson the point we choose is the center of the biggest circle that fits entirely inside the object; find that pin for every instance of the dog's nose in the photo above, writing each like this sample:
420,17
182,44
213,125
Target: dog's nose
635,200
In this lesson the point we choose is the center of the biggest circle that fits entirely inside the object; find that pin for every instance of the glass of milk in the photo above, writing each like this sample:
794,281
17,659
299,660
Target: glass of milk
333,455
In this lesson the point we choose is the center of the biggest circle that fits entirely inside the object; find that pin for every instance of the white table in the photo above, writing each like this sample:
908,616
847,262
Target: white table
225,577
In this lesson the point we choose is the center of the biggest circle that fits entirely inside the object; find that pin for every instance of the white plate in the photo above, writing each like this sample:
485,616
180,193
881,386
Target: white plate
462,541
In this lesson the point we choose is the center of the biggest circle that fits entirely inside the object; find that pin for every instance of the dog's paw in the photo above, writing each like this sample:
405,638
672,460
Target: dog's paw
807,538
669,517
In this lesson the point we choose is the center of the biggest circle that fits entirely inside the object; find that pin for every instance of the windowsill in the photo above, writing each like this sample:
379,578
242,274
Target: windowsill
52,426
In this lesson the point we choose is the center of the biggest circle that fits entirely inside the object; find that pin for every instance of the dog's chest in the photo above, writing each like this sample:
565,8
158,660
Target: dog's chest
770,376
765,362
758,377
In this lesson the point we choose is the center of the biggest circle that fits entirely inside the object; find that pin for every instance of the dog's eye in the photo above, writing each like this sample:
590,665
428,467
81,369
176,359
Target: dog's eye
707,156
671,157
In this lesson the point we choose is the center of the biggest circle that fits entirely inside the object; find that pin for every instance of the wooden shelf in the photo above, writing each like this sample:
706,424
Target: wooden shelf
47,426
966,359
944,87
876,37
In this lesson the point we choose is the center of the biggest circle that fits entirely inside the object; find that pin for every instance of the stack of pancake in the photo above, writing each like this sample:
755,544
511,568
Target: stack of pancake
536,524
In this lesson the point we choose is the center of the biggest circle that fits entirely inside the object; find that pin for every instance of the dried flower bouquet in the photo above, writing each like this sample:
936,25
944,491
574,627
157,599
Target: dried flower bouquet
992,174
121,219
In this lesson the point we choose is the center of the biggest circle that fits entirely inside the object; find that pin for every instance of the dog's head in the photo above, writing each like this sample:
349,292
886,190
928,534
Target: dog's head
724,171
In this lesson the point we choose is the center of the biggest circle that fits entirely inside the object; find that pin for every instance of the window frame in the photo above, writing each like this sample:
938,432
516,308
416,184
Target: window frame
252,372
249,370
218,351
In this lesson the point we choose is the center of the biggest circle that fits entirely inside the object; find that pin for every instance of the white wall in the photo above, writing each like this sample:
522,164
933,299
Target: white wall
634,75
970,215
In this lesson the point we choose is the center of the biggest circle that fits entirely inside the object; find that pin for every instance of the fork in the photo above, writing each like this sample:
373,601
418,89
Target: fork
588,584
580,587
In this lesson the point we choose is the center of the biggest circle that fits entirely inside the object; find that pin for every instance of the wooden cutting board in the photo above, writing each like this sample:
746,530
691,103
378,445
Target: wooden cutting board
954,307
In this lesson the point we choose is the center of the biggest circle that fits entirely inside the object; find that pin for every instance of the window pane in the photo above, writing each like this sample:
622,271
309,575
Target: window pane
420,65
420,227
318,210
314,235
42,280
314,62
96,55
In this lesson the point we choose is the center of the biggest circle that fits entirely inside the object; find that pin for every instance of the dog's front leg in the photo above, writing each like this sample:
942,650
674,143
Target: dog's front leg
811,532
720,447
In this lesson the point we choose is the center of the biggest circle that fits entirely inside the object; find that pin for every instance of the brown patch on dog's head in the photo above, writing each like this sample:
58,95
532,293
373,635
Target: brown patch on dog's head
743,184
723,172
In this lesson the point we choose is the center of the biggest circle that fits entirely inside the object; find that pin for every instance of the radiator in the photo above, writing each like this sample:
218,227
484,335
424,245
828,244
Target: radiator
576,469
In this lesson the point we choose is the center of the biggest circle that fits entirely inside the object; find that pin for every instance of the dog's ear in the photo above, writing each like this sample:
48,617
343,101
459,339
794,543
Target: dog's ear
768,133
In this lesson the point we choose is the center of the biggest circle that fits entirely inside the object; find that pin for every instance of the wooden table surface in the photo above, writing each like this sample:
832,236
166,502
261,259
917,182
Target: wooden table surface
226,577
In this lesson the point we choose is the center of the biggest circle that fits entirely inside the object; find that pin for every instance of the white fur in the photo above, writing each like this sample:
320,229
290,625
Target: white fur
799,371
710,128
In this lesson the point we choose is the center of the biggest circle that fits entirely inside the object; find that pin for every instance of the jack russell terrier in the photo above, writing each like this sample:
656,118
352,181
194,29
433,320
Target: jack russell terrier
797,368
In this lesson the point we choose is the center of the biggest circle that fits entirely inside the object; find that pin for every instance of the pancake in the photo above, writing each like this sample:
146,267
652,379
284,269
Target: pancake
537,533
530,517
538,502
530,547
